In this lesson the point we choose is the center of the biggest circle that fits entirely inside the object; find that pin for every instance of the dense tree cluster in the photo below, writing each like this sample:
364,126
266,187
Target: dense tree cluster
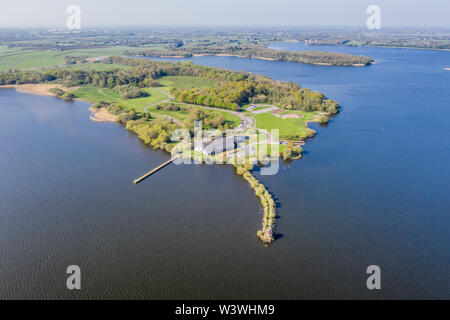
210,119
235,88
229,95
156,133
232,95
130,92
139,77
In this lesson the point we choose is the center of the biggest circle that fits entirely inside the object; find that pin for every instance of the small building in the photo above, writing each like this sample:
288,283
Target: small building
220,145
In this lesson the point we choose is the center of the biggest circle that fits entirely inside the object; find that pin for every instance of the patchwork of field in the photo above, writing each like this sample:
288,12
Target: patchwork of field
13,58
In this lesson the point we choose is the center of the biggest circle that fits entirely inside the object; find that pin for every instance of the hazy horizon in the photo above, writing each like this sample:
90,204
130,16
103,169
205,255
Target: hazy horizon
233,13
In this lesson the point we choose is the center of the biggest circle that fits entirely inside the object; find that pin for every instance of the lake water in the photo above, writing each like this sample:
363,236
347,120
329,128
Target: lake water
373,188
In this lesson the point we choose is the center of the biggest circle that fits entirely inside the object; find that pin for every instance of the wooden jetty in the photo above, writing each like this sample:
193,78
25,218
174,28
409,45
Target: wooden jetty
148,174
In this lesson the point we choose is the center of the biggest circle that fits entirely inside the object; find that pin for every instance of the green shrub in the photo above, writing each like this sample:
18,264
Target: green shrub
68,96
323,119
57,91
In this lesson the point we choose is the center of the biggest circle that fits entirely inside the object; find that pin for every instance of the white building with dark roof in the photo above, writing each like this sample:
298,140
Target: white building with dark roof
220,145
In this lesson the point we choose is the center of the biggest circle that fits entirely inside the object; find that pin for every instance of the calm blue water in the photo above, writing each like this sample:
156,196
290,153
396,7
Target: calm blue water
372,189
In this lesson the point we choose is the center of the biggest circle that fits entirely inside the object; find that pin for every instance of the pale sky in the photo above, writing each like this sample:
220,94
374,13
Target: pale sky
94,13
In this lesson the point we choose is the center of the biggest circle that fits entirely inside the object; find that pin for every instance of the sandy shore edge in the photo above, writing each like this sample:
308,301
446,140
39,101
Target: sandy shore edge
102,115
41,89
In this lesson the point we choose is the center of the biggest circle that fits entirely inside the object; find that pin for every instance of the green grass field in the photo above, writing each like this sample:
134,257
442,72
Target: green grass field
13,58
231,118
287,127
93,95
186,82
179,115
261,108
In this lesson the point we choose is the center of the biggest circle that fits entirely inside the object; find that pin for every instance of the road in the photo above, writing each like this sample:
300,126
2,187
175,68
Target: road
169,98
246,122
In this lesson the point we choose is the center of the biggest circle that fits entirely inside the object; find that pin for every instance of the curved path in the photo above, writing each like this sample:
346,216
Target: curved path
246,122
169,98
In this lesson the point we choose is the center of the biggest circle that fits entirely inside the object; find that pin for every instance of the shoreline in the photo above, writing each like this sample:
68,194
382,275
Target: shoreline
266,234
232,55
41,89
356,46
263,58
102,115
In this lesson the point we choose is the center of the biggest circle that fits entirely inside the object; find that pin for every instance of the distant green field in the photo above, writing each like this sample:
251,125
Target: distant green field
286,127
186,82
93,95
32,59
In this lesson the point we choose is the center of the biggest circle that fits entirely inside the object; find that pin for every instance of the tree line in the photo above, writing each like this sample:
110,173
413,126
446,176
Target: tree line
235,88
250,51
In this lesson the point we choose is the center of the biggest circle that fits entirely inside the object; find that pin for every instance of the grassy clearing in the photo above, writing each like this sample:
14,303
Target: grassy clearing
269,147
261,108
93,95
229,117
287,127
179,115
186,82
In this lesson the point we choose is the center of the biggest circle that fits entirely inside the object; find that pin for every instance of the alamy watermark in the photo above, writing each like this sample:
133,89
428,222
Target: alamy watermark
374,20
74,19
236,146
374,280
73,282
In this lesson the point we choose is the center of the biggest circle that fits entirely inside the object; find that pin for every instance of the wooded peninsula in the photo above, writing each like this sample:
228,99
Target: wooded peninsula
155,98
258,52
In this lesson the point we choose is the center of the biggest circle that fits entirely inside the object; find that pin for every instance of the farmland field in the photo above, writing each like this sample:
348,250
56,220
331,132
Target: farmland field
33,59
92,94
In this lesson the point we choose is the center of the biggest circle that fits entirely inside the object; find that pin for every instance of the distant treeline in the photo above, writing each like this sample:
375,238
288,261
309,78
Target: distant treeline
311,57
235,88
441,42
